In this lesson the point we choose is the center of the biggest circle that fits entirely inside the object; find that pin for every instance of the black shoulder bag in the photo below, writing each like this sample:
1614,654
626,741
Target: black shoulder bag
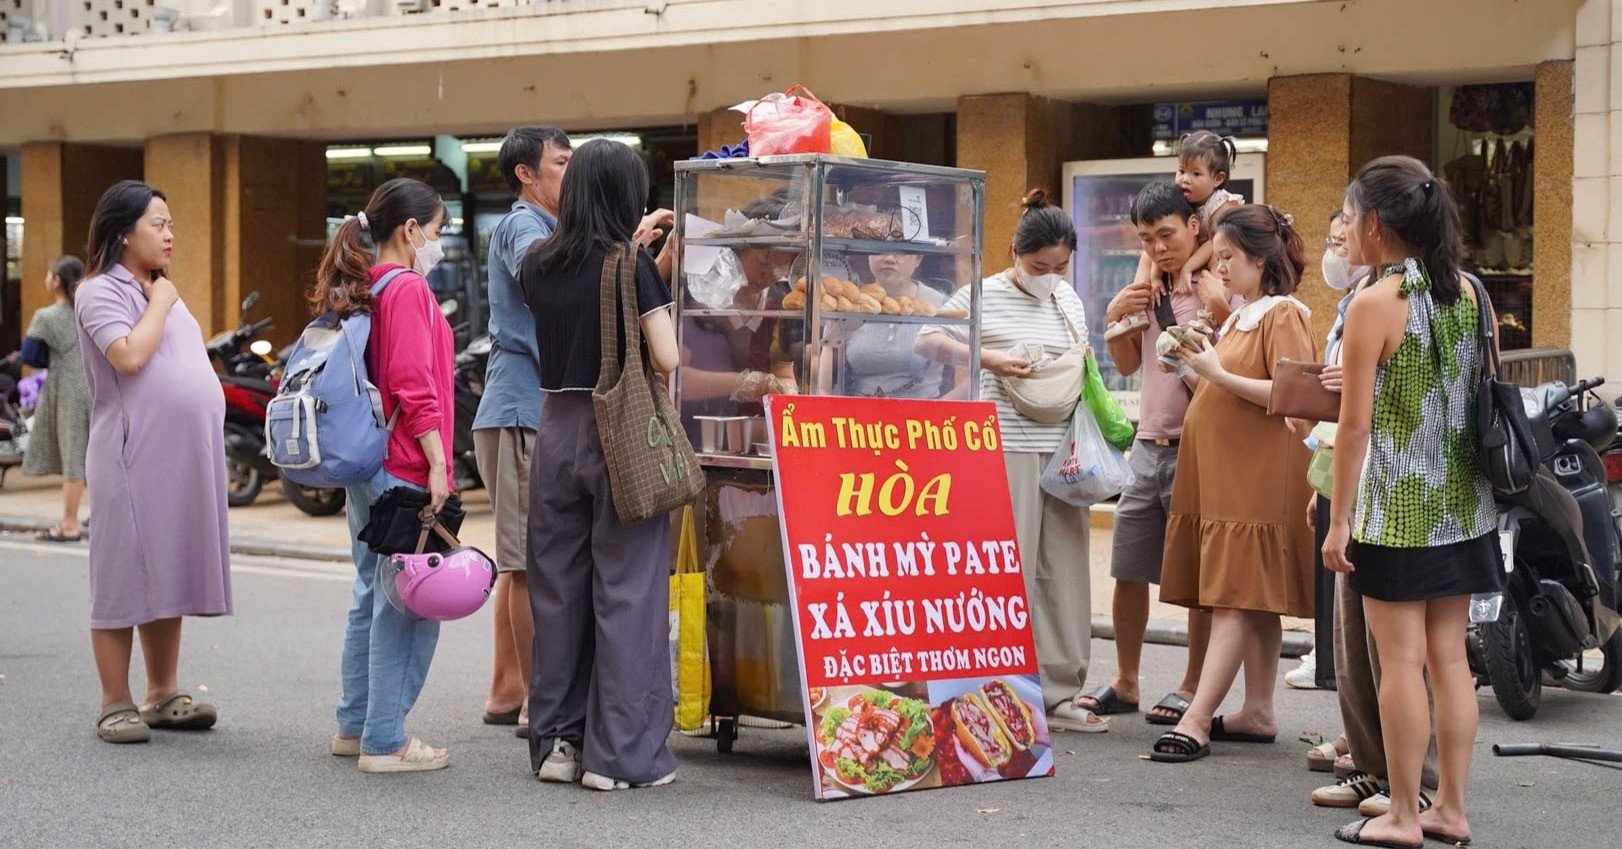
1504,442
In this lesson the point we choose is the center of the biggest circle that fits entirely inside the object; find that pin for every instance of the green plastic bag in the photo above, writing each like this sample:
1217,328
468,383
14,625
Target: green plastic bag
1112,420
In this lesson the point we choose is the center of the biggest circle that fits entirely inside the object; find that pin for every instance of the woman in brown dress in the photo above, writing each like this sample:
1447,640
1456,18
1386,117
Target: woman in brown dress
1235,542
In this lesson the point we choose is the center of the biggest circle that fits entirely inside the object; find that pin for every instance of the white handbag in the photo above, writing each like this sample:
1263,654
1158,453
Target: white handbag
1050,394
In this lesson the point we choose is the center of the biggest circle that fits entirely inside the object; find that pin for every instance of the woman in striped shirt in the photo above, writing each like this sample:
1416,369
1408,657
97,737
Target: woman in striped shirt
1032,302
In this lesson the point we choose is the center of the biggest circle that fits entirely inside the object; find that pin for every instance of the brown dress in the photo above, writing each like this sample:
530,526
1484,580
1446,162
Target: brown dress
1237,536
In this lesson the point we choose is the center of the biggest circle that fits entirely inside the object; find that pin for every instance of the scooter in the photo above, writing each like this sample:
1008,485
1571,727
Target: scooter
249,379
1561,543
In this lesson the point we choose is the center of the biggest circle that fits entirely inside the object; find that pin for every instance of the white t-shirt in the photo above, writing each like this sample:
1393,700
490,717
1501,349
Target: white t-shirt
1008,317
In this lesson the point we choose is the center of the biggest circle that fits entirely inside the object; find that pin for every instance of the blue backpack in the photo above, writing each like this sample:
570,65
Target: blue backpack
325,426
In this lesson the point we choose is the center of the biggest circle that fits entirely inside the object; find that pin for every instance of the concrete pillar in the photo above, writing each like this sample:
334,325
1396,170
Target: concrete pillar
1552,171
61,183
1596,189
189,169
250,216
1321,129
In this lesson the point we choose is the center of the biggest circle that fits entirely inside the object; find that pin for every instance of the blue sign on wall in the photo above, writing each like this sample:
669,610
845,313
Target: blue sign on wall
1224,117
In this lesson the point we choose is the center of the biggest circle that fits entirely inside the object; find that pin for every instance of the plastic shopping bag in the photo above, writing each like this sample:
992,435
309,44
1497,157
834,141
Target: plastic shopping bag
689,662
788,123
845,141
1086,469
1112,420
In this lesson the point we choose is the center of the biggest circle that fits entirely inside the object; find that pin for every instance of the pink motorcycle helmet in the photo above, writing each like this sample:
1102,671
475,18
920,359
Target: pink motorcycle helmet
439,586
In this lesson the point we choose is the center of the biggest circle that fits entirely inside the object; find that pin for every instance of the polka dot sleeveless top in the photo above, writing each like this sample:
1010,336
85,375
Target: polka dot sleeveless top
1421,485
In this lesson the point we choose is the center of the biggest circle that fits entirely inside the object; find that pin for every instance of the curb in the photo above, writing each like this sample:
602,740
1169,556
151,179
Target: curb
1164,632
250,547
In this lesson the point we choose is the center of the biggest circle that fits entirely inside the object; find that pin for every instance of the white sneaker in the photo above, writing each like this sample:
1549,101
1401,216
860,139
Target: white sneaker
1305,676
1380,803
1069,716
603,782
562,765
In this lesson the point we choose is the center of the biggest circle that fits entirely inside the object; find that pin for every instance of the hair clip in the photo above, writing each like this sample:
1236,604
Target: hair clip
1428,187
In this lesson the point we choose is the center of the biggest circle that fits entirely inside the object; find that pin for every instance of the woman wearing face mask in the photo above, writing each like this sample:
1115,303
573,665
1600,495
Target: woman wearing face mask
409,357
1317,670
1032,302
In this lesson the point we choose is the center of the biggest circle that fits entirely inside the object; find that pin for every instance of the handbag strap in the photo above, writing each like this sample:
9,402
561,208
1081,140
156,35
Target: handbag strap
433,524
617,312
1490,362
1168,318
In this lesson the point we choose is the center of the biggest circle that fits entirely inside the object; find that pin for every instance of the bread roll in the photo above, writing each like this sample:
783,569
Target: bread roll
874,290
891,306
795,300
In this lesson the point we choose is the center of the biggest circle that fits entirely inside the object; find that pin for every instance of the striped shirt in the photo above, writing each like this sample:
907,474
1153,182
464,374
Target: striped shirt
1008,317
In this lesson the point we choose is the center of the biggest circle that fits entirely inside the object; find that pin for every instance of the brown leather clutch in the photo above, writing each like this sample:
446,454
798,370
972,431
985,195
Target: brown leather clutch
1299,394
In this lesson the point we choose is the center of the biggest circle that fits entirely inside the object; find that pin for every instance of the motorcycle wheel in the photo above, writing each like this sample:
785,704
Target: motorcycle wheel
1517,682
1601,679
312,500
244,481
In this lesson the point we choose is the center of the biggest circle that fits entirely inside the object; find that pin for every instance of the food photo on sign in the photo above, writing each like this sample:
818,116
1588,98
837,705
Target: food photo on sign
916,658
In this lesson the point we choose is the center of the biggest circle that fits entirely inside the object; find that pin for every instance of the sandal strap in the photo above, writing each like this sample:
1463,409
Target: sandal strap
117,710
1181,743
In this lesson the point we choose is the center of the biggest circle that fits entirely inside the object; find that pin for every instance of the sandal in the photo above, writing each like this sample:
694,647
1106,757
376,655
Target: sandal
506,717
1352,832
1322,758
1220,734
1449,839
1106,703
418,757
181,712
1173,703
121,723
56,535
1177,748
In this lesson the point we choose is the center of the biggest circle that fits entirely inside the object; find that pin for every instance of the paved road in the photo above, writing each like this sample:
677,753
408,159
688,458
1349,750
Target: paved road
263,777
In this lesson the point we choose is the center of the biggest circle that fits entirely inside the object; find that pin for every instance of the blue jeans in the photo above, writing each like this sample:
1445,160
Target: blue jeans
386,655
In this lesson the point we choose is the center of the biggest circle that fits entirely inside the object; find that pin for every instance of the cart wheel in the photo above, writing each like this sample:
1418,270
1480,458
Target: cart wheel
726,731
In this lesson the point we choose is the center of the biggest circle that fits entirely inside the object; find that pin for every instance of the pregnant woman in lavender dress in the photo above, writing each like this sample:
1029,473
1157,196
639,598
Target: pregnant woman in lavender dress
156,465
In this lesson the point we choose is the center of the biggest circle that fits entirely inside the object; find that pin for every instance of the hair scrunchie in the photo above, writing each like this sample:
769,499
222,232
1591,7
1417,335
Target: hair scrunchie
364,224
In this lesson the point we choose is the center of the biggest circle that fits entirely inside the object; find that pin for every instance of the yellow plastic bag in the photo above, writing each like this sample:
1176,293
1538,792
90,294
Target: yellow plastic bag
846,141
689,660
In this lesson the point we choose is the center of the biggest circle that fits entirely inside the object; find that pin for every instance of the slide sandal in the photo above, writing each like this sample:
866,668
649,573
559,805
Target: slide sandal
1220,734
1172,702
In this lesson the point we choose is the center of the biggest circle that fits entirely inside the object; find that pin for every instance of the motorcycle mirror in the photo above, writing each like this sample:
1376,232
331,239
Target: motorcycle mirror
260,348
449,308
249,302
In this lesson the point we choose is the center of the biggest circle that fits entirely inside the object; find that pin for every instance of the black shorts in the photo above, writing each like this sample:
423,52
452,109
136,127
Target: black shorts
1420,574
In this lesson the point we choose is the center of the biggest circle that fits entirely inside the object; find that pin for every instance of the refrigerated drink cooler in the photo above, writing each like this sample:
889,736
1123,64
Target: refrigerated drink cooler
1099,195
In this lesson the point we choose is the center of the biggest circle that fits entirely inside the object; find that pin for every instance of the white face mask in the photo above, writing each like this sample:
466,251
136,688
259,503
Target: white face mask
428,256
1339,271
1041,285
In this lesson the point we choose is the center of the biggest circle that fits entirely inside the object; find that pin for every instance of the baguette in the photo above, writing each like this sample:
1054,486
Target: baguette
1013,715
978,734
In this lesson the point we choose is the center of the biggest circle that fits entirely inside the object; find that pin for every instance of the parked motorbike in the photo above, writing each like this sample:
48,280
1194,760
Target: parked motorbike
1557,616
249,377
470,366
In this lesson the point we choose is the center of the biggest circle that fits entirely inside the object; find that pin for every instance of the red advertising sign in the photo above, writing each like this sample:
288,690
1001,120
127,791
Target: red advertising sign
916,656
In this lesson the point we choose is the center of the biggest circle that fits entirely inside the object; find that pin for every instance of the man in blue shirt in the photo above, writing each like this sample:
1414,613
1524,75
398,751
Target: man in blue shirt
533,160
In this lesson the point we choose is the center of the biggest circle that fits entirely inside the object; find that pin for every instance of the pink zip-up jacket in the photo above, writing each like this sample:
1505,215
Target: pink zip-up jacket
412,360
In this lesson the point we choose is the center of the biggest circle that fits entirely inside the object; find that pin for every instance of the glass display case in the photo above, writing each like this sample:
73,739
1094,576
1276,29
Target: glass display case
806,274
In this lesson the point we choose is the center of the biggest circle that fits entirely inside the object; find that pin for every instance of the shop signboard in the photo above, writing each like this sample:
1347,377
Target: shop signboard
917,664
1241,118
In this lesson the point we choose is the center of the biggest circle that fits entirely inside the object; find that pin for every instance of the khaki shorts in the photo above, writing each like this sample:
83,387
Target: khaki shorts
1141,512
503,455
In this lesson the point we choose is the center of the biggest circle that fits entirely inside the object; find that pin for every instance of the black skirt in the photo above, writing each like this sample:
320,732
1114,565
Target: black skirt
1420,574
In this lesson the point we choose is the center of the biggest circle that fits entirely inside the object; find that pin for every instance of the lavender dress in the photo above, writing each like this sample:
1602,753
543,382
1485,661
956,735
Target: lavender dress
156,465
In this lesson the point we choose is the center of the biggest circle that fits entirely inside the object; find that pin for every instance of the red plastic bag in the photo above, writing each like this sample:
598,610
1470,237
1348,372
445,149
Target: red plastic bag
789,124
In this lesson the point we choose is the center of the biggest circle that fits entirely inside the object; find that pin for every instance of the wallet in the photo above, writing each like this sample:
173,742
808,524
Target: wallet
396,524
1299,394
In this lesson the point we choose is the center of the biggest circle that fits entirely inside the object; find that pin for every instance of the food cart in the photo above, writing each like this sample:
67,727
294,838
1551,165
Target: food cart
807,274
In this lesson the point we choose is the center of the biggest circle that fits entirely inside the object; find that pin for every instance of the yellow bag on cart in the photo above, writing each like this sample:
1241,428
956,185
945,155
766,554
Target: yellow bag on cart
689,660
845,141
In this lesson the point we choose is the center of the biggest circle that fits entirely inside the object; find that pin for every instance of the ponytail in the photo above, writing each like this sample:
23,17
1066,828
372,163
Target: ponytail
1417,207
343,281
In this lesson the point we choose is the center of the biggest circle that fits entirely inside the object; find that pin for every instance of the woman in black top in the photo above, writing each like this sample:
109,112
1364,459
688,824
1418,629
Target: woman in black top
600,705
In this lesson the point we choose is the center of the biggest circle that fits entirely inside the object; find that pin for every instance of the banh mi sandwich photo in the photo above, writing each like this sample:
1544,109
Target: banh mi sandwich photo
1012,714
978,734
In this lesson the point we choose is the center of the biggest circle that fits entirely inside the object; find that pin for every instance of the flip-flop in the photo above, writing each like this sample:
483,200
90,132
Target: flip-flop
56,535
121,723
507,717
1352,832
1220,734
1106,703
181,712
1172,702
1183,749
1444,837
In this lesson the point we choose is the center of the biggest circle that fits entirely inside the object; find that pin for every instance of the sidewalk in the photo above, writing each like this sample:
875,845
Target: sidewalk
273,527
